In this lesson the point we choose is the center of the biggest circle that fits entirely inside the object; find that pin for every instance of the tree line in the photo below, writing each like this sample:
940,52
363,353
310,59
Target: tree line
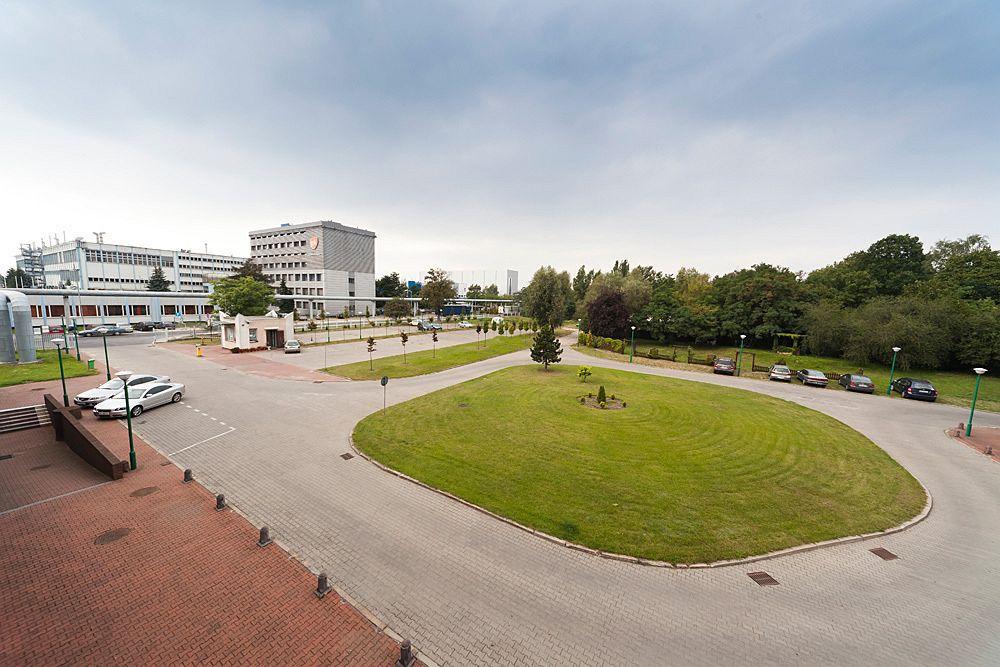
941,305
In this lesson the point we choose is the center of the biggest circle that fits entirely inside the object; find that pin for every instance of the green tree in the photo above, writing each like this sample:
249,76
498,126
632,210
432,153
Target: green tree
157,281
895,262
16,278
286,306
396,308
847,282
546,348
403,337
389,286
547,296
607,315
581,281
760,301
241,295
474,292
437,290
491,292
250,269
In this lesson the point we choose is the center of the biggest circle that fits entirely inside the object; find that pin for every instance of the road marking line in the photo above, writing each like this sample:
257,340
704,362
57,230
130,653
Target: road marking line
231,429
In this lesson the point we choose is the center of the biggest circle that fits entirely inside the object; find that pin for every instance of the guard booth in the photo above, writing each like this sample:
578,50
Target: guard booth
242,333
275,337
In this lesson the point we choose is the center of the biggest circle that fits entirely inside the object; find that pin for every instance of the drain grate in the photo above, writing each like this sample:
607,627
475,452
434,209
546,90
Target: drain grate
109,536
144,491
42,467
347,456
38,389
763,578
6,456
884,554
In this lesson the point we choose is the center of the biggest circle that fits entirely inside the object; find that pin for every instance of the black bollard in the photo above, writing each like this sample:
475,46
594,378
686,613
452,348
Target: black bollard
322,585
188,477
220,502
405,654
265,537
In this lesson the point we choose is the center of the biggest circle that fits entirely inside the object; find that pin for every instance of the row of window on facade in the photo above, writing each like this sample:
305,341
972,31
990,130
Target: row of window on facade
277,246
115,257
284,265
115,310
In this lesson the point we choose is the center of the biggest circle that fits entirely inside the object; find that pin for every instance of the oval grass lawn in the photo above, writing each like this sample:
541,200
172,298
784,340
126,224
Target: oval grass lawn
688,472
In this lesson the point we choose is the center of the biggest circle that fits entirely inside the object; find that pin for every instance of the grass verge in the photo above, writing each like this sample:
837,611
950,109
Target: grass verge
687,472
46,369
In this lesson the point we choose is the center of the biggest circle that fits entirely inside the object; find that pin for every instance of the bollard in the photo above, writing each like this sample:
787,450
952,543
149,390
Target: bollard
322,585
220,502
265,537
187,475
989,450
198,348
405,654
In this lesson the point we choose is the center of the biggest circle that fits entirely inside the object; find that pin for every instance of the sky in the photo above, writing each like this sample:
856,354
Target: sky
482,135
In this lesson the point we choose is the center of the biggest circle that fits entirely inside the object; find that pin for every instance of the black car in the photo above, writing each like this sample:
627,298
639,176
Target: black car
164,325
855,382
724,365
143,326
921,390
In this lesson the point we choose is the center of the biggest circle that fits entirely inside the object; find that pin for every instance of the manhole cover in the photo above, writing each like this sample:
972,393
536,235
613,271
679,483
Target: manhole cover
42,467
884,554
763,578
109,536
144,491
347,456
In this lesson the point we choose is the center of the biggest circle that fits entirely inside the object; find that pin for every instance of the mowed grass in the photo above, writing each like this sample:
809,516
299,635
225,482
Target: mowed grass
46,369
687,472
428,361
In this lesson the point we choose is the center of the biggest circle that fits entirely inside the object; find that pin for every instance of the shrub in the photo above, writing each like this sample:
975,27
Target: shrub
618,346
581,338
623,404
601,395
612,397
583,400
584,373
603,405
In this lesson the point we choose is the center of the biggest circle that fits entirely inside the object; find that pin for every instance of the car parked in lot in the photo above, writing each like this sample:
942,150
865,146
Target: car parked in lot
855,382
143,326
293,347
115,330
97,331
56,329
113,386
464,325
164,325
780,373
809,376
140,398
724,366
921,390
123,327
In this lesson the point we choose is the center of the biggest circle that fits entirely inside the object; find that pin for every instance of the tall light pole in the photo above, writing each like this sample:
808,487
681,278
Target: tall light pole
739,356
975,394
76,341
631,349
124,376
107,364
60,343
892,370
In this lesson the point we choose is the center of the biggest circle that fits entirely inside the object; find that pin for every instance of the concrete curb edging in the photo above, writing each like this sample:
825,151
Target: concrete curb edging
924,513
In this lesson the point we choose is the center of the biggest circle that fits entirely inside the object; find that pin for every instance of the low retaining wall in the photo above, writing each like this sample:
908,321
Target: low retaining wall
70,429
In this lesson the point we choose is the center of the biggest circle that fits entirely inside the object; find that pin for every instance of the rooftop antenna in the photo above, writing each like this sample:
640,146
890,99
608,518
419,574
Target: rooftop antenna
99,236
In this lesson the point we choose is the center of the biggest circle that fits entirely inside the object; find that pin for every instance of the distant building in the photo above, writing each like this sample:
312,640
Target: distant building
319,259
504,279
108,266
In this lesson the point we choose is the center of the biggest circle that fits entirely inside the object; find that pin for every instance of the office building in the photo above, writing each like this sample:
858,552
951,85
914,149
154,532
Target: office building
319,259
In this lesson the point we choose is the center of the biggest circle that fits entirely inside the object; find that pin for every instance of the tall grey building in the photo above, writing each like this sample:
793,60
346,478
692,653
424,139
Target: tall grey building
322,258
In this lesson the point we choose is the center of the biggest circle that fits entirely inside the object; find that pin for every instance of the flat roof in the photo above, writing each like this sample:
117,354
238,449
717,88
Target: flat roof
327,224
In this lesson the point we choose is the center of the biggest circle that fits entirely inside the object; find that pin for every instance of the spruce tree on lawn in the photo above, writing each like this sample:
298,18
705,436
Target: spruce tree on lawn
546,348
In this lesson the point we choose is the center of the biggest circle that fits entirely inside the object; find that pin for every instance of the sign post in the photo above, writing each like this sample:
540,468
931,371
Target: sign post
384,381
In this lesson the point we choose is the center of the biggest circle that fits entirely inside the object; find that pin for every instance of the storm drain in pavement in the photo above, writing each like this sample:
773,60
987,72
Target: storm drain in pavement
346,456
763,578
110,536
42,467
884,554
144,491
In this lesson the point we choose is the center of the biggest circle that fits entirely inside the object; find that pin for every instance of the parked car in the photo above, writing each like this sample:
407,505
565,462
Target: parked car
430,326
97,331
56,329
94,396
140,398
415,323
293,347
164,325
855,382
123,327
725,366
143,326
464,325
115,330
780,373
812,377
921,390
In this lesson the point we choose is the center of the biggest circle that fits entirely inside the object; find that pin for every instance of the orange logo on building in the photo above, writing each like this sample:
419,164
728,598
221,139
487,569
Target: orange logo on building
313,242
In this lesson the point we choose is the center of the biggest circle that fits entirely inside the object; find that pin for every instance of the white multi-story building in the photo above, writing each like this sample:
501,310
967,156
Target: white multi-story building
504,279
107,266
319,259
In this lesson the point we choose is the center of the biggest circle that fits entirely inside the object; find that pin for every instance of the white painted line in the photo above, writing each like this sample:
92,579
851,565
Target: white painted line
213,418
231,429
62,495
223,423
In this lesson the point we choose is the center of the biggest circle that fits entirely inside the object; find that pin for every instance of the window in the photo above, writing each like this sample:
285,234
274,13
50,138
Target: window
230,333
253,335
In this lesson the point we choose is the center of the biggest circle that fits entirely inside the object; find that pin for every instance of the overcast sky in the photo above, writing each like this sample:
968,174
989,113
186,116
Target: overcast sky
492,135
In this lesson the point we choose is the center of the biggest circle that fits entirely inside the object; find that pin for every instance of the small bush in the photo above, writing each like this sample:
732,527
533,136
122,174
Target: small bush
584,373
653,353
603,405
583,400
623,404
601,395
612,397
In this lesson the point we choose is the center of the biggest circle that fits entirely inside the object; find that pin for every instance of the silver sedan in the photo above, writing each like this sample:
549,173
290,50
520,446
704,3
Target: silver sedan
140,398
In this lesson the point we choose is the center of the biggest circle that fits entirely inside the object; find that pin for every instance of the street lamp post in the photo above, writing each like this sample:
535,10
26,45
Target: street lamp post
892,370
107,364
124,376
76,341
60,343
975,394
631,349
739,356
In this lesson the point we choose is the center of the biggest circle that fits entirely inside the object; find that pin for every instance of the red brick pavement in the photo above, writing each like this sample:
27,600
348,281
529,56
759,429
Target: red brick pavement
40,468
184,584
983,439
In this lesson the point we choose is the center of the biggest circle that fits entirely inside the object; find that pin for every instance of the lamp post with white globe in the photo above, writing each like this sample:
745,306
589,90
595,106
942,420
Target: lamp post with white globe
892,369
975,394
739,356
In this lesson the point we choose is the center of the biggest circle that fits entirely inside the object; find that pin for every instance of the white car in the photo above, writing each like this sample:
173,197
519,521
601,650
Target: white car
92,397
414,323
125,327
498,320
293,347
140,398
464,325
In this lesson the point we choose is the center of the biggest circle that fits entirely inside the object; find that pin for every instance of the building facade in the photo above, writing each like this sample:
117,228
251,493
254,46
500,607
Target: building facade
504,279
106,266
319,259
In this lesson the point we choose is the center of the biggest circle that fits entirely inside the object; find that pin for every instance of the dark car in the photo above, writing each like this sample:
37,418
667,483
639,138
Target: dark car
859,383
812,377
164,325
921,390
97,331
724,365
143,326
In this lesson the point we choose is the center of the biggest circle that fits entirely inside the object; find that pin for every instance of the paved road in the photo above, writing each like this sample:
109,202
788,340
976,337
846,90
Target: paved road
471,590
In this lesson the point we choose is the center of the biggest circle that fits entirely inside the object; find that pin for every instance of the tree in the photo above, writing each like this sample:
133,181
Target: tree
479,330
403,337
583,373
157,281
546,348
241,295
581,282
16,278
434,344
621,268
846,282
250,269
491,292
286,306
759,302
895,262
390,286
547,296
607,314
474,292
437,290
396,308
371,349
